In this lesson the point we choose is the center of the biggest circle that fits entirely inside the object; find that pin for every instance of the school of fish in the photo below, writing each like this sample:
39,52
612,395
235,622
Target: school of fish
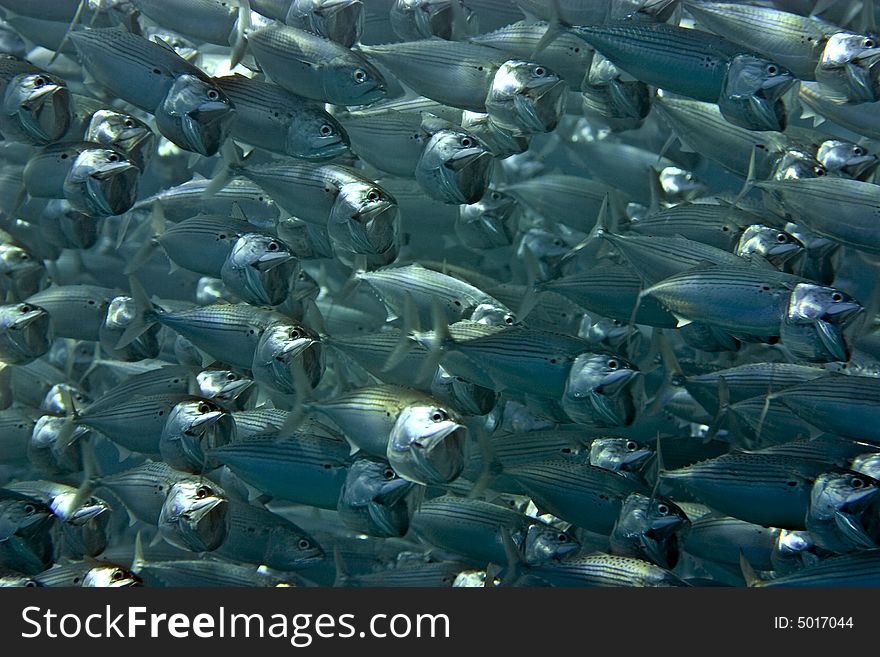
439,293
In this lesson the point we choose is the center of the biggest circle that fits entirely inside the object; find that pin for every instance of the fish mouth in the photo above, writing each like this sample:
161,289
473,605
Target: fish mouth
392,492
436,459
663,552
28,318
466,157
269,261
540,109
841,312
613,400
86,513
469,171
50,107
385,518
207,419
207,127
113,188
203,526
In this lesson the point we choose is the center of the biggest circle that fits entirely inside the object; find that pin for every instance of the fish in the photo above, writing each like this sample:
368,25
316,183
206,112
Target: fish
37,106
373,500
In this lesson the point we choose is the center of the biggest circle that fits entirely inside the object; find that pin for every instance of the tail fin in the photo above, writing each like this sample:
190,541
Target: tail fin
146,314
515,564
242,27
748,572
73,23
233,160
149,245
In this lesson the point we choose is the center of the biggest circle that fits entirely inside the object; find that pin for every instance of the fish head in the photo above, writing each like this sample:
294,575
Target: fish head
526,98
752,92
426,444
826,310
422,19
493,314
121,313
775,245
225,386
25,333
42,105
319,136
123,132
110,577
288,356
545,542
195,115
194,427
489,223
619,454
259,252
655,524
547,248
361,83
23,516
69,509
374,487
194,514
843,492
601,389
846,158
867,464
102,182
845,48
61,398
341,21
795,164
79,229
365,220
679,185
24,272
455,167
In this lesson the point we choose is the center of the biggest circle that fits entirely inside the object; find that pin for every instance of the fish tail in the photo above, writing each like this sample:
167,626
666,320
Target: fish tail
671,368
232,163
73,23
149,246
242,27
339,563
515,563
748,572
146,314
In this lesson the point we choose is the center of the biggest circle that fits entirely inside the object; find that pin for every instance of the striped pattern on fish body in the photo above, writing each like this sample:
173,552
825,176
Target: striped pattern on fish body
656,258
612,291
605,570
367,415
723,539
144,488
258,422
525,360
450,72
845,405
86,573
189,199
391,141
371,351
208,573
77,311
567,54
270,117
714,224
228,332
768,490
135,424
704,130
561,198
748,380
794,41
423,575
302,469
688,62
859,569
311,66
16,428
165,380
845,210
861,118
763,421
208,21
826,448
582,494
202,244
131,67
742,300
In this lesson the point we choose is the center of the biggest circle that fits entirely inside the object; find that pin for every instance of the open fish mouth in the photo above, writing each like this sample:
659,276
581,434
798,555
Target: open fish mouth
438,459
540,109
49,106
207,127
113,188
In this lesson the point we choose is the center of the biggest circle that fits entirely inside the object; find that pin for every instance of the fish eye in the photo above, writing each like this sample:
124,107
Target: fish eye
24,308
388,474
836,297
466,142
231,377
509,320
631,445
128,123
360,76
29,509
540,71
562,538
662,509
304,544
858,150
203,491
782,238
496,196
39,82
295,334
204,407
819,171
116,575
772,69
213,94
857,483
272,246
439,415
24,256
326,130
113,157
613,364
30,584
869,43
373,195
